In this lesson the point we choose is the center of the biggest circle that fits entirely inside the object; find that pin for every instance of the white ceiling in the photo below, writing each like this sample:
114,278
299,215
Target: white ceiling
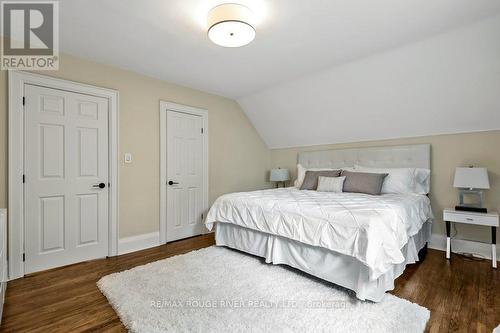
167,39
314,64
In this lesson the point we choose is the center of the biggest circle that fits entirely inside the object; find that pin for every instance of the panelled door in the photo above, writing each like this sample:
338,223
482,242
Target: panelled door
66,178
184,175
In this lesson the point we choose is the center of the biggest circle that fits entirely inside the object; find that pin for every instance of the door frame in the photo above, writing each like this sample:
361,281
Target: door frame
164,108
16,83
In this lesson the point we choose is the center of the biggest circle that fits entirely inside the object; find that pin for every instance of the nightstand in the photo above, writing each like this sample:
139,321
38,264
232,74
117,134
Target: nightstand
484,219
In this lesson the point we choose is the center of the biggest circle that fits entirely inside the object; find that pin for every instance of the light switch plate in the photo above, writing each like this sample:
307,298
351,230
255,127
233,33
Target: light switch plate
128,158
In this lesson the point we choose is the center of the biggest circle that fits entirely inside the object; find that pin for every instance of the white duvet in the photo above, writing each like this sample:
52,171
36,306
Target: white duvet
371,228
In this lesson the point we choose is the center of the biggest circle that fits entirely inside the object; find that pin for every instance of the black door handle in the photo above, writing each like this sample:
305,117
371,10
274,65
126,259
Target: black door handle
172,183
100,185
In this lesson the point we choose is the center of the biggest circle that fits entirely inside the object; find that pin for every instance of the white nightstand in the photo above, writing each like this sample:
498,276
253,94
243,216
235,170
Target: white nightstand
489,220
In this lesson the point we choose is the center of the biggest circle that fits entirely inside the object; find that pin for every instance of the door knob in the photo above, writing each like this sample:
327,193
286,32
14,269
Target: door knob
172,183
100,185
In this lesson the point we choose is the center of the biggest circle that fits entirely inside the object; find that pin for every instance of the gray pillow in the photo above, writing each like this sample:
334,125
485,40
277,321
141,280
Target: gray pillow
363,182
311,178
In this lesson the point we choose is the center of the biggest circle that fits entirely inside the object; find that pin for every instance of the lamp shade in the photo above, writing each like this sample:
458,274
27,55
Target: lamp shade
471,178
230,25
279,175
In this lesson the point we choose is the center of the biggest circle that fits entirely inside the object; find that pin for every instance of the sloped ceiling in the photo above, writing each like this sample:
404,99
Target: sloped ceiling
446,84
302,63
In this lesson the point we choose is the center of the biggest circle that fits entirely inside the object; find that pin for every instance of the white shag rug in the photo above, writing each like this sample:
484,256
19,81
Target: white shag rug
220,290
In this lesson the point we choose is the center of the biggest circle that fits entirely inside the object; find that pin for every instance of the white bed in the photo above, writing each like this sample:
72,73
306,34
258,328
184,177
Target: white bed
358,241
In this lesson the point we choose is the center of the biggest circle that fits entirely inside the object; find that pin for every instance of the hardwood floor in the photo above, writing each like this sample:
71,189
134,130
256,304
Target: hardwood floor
463,296
67,299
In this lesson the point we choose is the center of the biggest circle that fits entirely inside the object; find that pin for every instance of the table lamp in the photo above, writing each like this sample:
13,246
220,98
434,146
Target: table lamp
471,183
279,175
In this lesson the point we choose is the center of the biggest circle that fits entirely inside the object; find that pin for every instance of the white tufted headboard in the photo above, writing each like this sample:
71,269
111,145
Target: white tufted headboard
411,156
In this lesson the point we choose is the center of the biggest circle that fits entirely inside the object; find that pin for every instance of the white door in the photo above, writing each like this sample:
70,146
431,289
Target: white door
66,178
184,175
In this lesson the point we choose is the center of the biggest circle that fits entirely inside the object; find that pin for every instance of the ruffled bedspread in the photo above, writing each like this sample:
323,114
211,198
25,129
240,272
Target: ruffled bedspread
373,229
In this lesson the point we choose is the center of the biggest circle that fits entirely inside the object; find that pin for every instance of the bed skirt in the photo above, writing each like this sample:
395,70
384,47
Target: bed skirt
331,266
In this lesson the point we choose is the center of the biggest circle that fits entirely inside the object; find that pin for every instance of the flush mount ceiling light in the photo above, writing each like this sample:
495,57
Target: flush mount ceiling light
230,25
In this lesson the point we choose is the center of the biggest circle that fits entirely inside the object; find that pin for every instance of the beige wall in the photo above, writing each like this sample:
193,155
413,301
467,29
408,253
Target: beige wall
238,158
448,152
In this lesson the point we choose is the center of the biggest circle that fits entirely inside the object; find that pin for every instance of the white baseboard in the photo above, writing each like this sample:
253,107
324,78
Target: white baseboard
139,242
438,242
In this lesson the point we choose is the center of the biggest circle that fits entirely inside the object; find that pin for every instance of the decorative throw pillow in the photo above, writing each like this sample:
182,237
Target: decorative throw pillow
330,184
401,180
363,182
301,173
398,180
311,179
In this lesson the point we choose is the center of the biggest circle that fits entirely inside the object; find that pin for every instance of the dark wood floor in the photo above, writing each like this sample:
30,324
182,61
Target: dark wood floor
463,296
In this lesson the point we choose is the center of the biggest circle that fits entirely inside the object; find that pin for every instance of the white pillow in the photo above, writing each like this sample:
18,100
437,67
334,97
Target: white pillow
301,173
330,184
422,181
402,180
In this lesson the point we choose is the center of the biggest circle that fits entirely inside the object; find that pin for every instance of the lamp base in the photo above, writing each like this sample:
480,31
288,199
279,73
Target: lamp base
470,198
471,209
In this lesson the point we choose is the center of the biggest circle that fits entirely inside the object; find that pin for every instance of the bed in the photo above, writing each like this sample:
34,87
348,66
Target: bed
359,241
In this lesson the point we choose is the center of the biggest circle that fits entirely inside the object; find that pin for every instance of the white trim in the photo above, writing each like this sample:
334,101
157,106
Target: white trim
438,242
3,258
3,290
17,80
139,242
163,174
169,106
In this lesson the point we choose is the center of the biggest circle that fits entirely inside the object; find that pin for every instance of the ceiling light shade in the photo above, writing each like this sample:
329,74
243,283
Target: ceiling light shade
230,25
